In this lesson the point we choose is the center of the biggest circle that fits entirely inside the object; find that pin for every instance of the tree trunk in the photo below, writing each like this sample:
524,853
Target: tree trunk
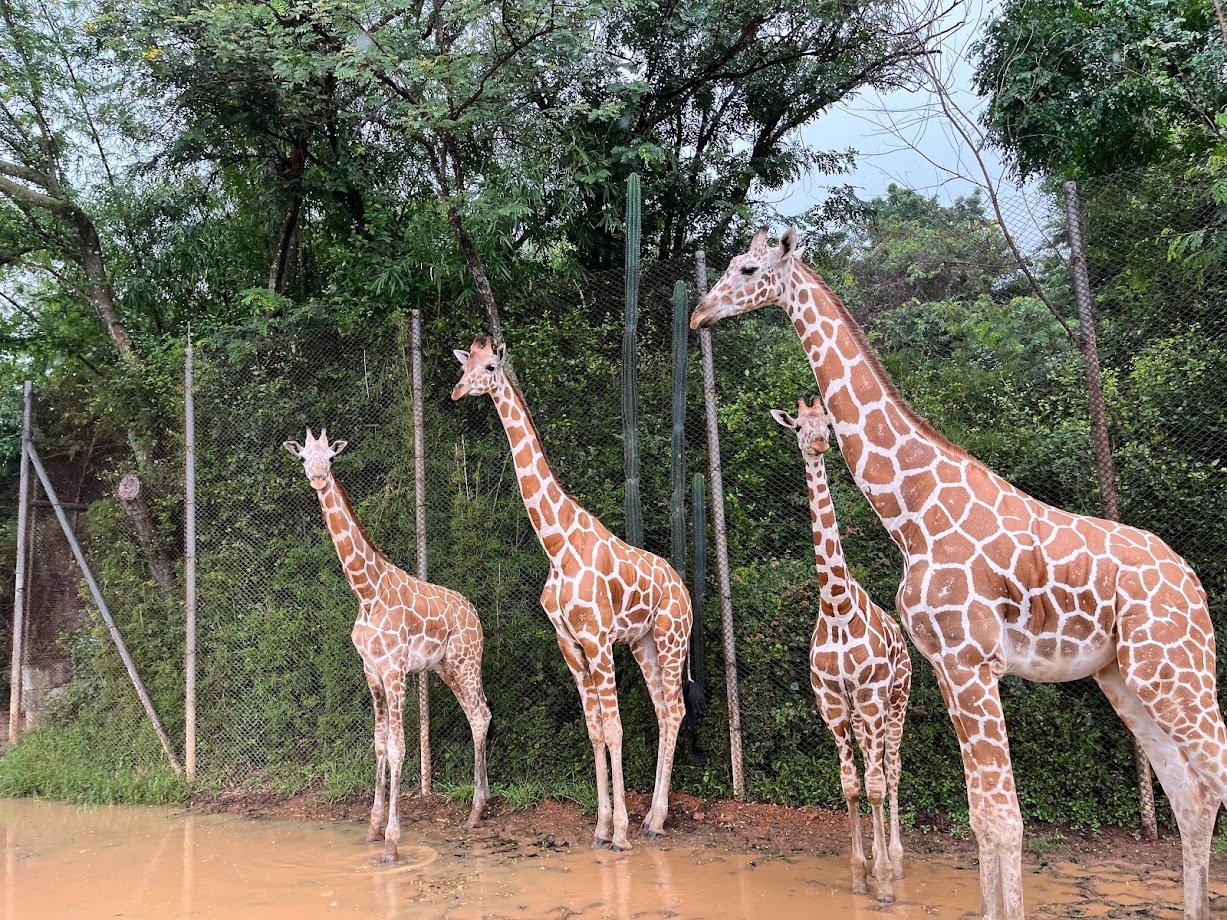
100,293
132,500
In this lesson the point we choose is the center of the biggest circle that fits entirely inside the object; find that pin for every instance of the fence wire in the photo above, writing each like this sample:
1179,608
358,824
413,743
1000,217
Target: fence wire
976,344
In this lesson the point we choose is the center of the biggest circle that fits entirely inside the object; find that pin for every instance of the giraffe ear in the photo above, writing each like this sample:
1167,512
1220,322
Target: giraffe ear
337,447
501,353
788,245
461,356
784,419
293,447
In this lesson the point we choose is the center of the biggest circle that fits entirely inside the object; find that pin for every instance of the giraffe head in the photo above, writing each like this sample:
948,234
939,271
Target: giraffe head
812,426
753,280
483,367
316,456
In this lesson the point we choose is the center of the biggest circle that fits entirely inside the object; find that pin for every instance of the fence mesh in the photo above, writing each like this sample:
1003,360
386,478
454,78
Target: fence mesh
974,343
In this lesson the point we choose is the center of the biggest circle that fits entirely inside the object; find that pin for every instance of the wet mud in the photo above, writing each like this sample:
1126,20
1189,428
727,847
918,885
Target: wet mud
62,861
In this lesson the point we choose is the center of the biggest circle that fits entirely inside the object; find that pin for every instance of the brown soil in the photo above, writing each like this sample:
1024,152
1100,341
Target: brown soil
727,824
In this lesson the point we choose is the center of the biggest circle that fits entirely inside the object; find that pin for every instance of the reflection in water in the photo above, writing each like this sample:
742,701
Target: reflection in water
63,861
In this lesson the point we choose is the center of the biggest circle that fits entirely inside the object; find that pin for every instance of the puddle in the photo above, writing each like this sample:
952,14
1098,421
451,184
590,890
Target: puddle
62,861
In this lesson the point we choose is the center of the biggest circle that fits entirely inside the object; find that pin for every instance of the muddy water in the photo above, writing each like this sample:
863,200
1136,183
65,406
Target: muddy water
61,861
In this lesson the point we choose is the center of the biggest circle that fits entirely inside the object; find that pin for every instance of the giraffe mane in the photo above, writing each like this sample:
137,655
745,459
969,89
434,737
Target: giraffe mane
379,554
875,363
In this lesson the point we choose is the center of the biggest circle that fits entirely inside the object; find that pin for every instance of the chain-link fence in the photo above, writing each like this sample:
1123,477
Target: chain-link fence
978,346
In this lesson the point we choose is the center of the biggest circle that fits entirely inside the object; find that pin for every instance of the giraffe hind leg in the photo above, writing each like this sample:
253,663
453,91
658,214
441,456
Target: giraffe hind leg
463,678
1194,803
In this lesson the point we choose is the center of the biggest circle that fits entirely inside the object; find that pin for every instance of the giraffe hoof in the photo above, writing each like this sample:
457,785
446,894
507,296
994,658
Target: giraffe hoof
886,898
388,859
650,834
620,847
860,888
599,843
374,838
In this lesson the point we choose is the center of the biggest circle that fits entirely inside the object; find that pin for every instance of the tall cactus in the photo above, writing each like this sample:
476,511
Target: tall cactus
677,513
630,368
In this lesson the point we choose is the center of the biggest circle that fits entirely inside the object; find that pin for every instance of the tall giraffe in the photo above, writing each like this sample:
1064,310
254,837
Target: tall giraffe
404,626
858,666
996,582
600,591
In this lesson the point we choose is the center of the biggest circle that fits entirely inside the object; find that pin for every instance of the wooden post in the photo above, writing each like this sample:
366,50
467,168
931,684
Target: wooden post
721,541
189,563
131,495
419,495
77,553
1103,447
19,589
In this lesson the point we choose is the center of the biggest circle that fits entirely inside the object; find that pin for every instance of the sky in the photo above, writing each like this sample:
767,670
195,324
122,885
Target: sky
897,136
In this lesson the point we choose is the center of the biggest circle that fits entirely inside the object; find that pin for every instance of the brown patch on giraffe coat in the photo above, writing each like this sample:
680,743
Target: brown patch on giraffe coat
915,454
866,388
878,469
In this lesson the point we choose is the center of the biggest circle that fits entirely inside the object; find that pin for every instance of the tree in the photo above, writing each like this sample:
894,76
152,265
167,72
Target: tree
55,159
1080,89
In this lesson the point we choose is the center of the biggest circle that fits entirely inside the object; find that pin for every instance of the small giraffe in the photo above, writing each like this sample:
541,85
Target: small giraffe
859,667
404,626
600,591
996,582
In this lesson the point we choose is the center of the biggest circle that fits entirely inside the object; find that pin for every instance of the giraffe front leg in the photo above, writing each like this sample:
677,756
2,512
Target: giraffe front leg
395,687
974,703
601,669
378,807
578,665
838,717
869,725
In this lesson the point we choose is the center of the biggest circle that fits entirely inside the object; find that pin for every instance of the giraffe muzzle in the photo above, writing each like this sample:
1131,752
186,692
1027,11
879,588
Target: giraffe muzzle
704,316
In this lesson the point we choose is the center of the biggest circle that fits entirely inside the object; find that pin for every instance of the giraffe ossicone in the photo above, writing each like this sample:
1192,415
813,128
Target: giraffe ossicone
404,626
859,667
997,582
601,591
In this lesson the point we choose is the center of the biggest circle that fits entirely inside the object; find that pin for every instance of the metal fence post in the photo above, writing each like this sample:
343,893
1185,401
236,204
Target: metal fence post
79,555
721,541
419,494
630,370
1103,448
19,589
189,564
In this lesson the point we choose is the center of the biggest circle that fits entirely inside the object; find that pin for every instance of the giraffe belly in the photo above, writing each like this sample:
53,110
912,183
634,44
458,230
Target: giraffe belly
1072,647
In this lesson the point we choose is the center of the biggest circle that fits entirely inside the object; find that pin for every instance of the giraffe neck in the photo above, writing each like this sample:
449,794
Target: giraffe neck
360,560
548,504
833,582
891,451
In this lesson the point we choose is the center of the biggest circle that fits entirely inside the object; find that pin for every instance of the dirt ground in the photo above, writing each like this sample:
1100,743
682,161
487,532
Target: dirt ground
721,823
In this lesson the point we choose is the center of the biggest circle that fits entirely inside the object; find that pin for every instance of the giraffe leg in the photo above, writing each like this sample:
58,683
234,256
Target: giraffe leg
663,654
974,703
1194,803
894,766
601,667
378,808
645,654
463,677
869,725
394,686
574,657
838,717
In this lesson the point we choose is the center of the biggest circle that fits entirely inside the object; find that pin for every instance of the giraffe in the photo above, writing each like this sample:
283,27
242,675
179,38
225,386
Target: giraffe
600,591
859,667
996,582
404,626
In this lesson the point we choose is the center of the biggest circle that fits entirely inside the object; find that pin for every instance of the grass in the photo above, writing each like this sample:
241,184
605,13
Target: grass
1046,843
519,796
1219,847
63,765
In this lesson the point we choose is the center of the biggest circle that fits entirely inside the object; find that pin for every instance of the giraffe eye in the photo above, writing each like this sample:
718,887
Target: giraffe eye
749,269
490,368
